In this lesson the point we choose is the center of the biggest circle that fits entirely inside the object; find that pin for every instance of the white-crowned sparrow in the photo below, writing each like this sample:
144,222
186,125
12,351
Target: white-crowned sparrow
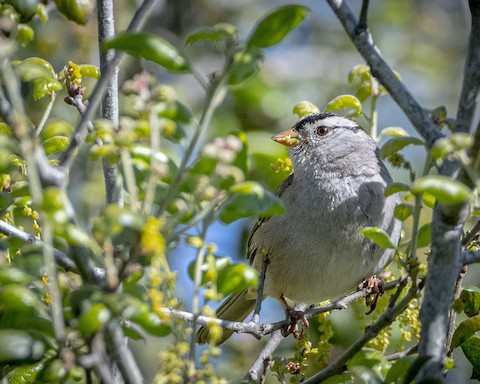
315,251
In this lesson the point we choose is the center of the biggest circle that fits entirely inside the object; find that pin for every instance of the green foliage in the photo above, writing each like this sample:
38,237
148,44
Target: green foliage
274,27
151,48
378,236
180,171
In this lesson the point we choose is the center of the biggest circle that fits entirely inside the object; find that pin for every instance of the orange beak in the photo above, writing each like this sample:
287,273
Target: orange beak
288,138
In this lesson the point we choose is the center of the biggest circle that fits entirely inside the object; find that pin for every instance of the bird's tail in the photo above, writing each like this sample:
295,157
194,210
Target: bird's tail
236,307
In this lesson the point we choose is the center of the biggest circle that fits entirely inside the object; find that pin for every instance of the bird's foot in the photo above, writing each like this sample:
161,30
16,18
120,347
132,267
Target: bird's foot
374,285
293,317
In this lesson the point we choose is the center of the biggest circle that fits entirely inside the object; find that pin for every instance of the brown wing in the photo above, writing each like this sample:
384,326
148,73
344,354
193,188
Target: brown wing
253,248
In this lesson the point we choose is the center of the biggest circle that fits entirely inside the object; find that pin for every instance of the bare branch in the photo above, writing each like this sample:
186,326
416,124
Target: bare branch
371,332
258,368
363,22
106,31
261,330
61,258
118,348
471,77
96,98
363,41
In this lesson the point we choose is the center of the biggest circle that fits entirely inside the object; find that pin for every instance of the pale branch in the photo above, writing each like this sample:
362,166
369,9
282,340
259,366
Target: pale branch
118,349
402,354
386,319
261,330
444,265
363,42
96,97
110,112
61,258
471,77
257,371
453,313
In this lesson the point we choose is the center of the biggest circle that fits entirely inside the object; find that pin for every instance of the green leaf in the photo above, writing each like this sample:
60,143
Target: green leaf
219,264
151,323
219,32
403,211
394,132
150,47
26,374
43,86
18,347
369,358
55,144
25,8
78,11
424,235
56,127
33,68
275,26
250,199
25,34
344,102
360,71
446,145
378,236
470,298
465,330
396,144
19,299
236,277
245,65
395,188
399,369
93,319
89,71
471,349
445,189
305,108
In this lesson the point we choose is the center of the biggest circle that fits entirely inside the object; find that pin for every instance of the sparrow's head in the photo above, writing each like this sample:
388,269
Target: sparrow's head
330,141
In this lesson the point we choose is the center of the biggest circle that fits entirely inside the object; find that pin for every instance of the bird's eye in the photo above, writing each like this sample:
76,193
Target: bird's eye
323,131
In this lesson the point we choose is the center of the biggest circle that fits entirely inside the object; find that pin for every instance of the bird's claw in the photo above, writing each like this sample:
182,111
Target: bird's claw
293,317
374,285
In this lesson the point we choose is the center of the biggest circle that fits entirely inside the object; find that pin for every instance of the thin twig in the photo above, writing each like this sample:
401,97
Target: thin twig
401,354
471,79
122,355
371,332
453,312
363,20
258,367
96,97
61,258
260,330
363,41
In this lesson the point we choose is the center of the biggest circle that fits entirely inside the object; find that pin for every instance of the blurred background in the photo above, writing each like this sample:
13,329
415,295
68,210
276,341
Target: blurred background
425,41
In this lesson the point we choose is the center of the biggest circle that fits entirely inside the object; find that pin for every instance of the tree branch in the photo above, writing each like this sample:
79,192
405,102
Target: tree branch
363,41
106,31
96,98
371,332
471,77
60,258
261,330
444,265
258,367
